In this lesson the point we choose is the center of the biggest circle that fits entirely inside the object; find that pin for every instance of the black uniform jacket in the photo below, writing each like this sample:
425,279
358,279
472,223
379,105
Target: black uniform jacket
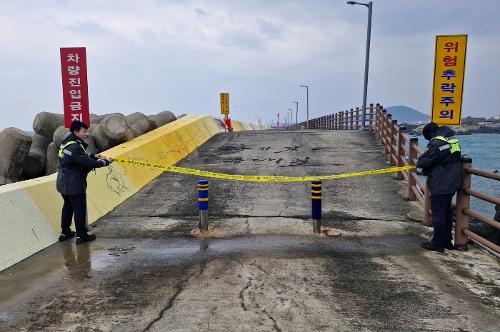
74,166
444,169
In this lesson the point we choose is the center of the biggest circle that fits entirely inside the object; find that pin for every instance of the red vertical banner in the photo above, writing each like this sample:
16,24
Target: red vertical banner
74,82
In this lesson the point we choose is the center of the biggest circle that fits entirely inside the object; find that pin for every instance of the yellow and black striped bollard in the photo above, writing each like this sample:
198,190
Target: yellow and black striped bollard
203,204
316,205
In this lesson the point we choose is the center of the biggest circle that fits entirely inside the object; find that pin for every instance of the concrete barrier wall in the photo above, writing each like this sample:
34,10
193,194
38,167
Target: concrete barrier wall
31,210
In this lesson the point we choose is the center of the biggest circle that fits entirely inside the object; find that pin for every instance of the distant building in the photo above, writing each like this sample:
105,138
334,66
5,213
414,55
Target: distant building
485,123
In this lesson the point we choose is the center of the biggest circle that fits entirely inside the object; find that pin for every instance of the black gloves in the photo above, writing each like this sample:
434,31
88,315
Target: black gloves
104,162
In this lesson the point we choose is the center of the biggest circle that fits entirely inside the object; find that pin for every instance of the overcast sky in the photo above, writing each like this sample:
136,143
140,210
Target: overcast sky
154,55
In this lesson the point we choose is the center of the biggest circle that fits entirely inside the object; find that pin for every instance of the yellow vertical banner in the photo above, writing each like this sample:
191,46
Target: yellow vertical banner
224,103
449,72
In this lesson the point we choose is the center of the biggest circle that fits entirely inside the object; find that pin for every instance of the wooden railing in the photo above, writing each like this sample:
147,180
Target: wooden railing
462,231
344,120
402,150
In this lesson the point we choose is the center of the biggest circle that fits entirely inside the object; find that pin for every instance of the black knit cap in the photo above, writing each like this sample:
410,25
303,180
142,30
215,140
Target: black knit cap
77,125
429,130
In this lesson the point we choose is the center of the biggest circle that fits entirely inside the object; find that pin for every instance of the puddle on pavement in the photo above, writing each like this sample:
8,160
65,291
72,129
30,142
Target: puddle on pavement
61,260
81,260
181,249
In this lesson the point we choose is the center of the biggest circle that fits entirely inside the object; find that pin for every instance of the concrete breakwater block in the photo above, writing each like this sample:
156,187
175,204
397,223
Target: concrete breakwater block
111,131
162,118
106,131
139,123
96,119
34,164
59,134
14,149
46,123
52,159
92,148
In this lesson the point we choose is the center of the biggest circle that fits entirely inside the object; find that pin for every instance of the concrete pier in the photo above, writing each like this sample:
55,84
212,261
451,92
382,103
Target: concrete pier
260,266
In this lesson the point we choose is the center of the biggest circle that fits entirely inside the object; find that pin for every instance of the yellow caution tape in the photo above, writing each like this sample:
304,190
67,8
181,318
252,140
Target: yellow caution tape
258,178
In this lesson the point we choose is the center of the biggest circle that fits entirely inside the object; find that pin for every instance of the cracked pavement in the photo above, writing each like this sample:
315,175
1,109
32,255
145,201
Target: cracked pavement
259,268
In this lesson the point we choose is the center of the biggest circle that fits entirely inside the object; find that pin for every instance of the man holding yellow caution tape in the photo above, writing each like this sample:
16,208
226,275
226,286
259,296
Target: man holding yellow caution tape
74,165
441,162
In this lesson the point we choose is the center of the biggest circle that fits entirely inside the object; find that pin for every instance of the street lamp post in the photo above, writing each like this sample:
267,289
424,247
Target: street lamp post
368,5
296,112
307,104
291,117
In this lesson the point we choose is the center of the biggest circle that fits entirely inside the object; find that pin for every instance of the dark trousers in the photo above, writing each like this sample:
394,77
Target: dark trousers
441,219
74,205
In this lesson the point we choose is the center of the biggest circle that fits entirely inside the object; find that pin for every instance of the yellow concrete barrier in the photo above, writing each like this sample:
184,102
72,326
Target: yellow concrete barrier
31,210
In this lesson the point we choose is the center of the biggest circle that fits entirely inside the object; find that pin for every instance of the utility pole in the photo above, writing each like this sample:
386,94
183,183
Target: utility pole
296,112
368,5
307,104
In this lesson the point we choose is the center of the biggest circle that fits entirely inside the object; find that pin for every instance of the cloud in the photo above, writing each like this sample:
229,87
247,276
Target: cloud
152,55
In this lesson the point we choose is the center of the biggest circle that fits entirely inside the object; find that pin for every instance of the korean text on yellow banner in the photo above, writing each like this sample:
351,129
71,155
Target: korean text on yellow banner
449,73
224,103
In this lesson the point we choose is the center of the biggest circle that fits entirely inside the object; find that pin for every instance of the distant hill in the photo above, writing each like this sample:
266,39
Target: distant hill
405,114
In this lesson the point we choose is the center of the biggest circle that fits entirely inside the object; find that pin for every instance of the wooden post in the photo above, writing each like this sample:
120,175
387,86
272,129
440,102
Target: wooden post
427,204
370,117
393,133
401,151
463,202
413,156
351,119
378,114
380,109
387,133
357,124
383,116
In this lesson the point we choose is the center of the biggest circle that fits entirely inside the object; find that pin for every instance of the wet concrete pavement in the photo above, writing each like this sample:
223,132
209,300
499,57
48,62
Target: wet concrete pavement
259,267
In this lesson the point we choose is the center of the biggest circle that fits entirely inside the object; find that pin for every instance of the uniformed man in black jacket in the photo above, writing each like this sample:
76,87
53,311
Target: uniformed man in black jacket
74,165
441,162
